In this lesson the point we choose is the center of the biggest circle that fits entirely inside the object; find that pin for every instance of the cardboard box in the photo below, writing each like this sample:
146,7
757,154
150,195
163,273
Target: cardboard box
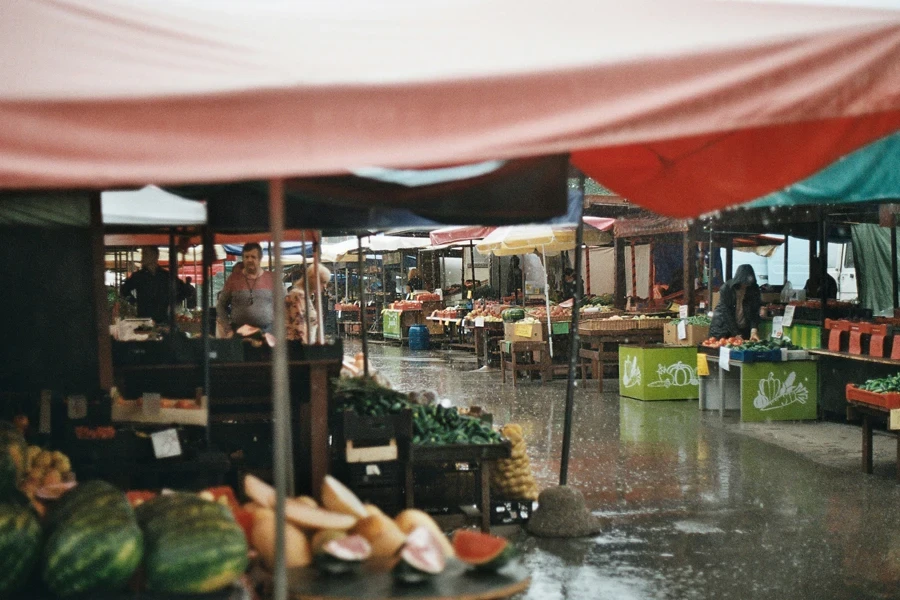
771,297
696,334
523,332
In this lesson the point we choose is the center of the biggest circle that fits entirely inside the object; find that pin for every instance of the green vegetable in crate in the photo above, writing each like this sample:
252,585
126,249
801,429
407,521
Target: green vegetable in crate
20,546
698,320
94,541
511,315
13,453
194,546
882,385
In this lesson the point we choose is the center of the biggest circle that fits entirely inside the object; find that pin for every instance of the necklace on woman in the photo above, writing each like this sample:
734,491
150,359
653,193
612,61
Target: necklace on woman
248,280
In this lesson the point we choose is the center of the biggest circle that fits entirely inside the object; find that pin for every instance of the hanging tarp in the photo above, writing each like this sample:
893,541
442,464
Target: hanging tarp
870,174
150,206
455,235
180,92
872,259
652,225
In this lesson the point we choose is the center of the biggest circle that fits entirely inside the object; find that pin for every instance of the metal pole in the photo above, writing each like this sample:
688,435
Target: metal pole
320,318
360,261
823,268
173,277
208,255
573,349
281,408
786,248
587,269
711,273
306,299
894,282
472,256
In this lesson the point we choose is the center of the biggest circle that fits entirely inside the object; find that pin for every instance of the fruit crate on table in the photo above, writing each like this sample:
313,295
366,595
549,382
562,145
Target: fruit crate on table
888,400
756,355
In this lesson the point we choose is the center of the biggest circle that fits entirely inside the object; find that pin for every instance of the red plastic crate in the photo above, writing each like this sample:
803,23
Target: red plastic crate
888,400
877,345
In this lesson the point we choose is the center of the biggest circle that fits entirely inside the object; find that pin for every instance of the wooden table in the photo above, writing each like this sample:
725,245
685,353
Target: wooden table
599,348
515,349
868,413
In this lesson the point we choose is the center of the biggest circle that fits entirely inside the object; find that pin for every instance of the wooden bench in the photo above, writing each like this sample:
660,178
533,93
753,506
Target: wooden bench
519,356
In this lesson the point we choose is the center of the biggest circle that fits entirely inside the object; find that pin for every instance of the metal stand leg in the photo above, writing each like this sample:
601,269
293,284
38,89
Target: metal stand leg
866,444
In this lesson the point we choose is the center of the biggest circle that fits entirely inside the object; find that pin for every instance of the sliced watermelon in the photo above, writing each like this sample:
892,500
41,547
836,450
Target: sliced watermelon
421,558
342,555
481,550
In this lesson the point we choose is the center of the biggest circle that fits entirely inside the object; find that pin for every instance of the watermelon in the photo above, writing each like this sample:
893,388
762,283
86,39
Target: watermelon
338,553
13,454
94,541
193,546
483,551
20,546
421,557
511,315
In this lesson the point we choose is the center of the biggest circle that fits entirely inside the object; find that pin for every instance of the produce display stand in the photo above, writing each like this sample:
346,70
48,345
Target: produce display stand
599,347
348,319
762,391
487,342
869,413
397,323
658,372
519,355
457,582
837,369
807,335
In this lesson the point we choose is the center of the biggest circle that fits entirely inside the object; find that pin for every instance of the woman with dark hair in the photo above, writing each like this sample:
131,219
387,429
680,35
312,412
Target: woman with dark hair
737,312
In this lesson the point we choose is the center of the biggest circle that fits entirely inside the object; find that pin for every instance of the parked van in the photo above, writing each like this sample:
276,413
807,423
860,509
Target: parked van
770,270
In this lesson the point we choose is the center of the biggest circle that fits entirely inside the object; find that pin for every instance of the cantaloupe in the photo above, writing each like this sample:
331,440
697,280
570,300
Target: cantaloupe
297,552
259,491
337,497
307,517
382,533
411,518
308,500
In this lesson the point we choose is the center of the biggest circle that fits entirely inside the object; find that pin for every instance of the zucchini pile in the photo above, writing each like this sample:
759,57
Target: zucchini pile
699,320
882,385
432,425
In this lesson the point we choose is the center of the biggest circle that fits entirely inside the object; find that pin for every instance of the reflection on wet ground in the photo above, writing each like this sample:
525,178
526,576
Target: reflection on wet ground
695,509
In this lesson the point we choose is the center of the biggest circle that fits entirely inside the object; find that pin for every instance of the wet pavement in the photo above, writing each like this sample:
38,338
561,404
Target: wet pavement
697,505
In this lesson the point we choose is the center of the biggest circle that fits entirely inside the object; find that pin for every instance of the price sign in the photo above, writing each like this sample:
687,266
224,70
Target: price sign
702,365
682,330
479,321
788,315
778,327
166,443
725,358
151,404
683,311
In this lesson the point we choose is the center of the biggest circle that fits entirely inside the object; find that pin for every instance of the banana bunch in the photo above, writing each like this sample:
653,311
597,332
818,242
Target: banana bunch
512,477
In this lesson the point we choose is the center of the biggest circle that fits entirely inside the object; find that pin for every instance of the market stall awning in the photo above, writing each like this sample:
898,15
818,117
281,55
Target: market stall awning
456,235
118,94
150,206
525,239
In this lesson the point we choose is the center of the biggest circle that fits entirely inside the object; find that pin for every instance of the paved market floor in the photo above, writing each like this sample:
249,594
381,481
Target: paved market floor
698,506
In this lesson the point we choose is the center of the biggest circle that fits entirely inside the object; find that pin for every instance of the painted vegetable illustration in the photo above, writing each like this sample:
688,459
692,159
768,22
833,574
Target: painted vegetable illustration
632,375
775,394
676,375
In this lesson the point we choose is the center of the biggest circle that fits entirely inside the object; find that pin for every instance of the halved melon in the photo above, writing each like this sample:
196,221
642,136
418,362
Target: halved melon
481,550
262,538
341,555
411,518
382,533
337,497
307,517
322,537
308,500
259,491
421,557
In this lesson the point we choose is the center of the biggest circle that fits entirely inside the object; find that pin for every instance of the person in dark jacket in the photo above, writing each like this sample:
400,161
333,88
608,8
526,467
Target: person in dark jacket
150,285
737,312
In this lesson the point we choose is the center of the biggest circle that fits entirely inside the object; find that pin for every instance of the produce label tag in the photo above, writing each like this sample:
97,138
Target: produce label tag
77,407
725,358
165,443
702,365
338,314
778,327
683,311
523,330
682,330
788,315
479,321
151,404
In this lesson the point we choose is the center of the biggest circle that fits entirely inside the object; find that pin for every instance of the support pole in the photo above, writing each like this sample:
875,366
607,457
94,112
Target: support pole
205,303
173,278
307,300
894,283
634,293
472,257
360,262
281,408
587,269
729,258
711,274
823,268
690,269
620,273
786,249
320,315
574,343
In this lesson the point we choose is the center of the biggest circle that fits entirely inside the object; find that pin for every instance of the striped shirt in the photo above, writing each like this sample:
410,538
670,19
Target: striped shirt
252,301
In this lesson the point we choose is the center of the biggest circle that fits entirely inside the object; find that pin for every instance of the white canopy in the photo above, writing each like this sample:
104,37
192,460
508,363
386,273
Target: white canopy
150,206
376,244
115,93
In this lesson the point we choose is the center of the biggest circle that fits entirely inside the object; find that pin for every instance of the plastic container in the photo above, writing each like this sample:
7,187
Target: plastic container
419,338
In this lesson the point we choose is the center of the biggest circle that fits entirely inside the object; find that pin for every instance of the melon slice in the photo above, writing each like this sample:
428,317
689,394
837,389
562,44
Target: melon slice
382,533
340,555
481,550
411,518
337,497
421,557
308,500
262,537
259,491
308,517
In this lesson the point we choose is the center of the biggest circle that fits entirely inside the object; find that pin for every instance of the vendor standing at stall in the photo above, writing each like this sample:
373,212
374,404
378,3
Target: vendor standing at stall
248,295
737,313
148,287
